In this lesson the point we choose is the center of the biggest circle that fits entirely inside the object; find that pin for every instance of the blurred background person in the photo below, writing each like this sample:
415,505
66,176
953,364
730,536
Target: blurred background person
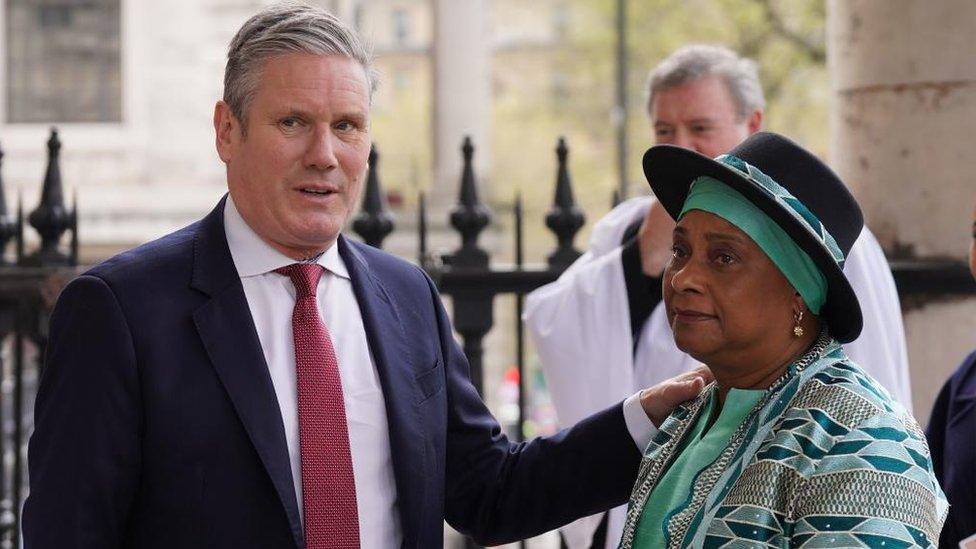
952,438
600,331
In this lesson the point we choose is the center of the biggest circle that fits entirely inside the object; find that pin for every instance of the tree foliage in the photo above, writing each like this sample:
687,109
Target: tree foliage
569,90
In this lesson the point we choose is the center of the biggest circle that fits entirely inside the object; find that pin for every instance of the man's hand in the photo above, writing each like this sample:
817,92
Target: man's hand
658,401
654,240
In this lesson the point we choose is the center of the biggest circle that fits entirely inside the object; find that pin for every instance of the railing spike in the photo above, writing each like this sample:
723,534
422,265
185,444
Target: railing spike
562,151
20,226
470,216
8,228
422,258
468,194
51,219
519,237
564,218
73,258
374,222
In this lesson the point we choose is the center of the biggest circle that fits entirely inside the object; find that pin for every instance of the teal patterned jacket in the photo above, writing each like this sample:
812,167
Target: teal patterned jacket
825,459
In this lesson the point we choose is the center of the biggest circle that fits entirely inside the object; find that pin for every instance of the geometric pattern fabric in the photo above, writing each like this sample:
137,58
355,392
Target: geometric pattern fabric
826,459
789,203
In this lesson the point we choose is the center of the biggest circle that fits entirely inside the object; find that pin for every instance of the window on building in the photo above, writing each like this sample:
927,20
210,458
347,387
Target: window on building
401,26
63,61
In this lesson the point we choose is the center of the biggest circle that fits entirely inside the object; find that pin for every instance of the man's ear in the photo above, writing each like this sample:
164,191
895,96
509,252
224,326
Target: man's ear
754,121
227,130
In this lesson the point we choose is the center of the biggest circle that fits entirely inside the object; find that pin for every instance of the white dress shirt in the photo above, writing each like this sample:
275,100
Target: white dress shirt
271,298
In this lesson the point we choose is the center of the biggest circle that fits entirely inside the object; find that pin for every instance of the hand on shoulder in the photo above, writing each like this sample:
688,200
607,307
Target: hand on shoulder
660,400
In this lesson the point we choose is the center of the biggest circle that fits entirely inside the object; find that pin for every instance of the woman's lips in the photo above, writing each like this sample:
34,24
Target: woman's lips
691,315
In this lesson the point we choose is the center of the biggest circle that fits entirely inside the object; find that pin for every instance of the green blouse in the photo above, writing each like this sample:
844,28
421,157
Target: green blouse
700,448
826,459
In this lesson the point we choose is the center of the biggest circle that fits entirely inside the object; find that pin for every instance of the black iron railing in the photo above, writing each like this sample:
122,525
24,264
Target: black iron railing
29,286
30,283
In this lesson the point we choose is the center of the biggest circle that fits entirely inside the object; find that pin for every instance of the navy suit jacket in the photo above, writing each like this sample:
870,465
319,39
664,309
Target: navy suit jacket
157,425
952,440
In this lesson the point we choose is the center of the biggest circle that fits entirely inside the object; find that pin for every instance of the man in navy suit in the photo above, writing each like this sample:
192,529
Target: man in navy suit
257,380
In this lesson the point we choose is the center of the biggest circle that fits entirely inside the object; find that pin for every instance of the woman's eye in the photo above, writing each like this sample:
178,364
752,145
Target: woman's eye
676,251
726,259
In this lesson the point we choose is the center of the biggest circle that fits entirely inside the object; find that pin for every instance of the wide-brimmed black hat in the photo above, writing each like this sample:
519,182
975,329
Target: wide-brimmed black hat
795,189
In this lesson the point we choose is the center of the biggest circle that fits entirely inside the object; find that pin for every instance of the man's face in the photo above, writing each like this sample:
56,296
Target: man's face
297,174
701,116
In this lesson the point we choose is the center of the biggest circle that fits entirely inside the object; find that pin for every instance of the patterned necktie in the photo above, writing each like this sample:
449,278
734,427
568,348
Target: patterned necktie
328,485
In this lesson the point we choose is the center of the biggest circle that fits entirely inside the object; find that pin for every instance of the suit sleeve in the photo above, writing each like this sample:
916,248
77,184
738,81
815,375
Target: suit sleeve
498,491
84,455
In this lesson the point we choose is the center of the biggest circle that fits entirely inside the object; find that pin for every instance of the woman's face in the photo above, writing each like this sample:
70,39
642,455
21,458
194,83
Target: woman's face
725,299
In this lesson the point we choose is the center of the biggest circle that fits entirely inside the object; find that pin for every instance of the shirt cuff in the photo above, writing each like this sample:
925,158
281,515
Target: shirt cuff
640,427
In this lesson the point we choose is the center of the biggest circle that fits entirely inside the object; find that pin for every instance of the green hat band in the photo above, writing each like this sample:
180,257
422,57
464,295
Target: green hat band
711,195
789,203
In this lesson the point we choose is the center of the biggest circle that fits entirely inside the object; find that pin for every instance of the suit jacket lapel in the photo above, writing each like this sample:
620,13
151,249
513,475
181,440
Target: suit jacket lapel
227,330
393,358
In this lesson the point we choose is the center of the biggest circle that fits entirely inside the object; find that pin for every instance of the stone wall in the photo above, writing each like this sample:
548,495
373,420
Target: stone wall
904,91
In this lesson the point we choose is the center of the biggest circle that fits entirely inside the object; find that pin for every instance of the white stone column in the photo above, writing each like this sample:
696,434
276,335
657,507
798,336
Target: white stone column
462,93
902,125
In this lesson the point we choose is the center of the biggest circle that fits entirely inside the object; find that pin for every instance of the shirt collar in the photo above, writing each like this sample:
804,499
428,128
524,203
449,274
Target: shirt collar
253,256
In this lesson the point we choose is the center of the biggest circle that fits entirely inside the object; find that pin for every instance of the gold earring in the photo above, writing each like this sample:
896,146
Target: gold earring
797,329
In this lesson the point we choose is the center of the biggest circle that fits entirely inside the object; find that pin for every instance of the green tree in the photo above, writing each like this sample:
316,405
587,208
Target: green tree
568,89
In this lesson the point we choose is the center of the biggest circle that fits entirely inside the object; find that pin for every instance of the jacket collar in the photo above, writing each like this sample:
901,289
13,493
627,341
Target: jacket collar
397,366
227,330
231,341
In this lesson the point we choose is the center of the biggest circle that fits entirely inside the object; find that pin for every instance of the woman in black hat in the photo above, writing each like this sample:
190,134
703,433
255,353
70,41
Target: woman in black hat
793,444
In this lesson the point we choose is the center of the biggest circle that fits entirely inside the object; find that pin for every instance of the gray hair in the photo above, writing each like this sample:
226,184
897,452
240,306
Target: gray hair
690,63
283,28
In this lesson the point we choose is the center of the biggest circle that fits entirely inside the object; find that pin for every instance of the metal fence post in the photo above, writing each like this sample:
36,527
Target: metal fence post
564,218
374,222
8,228
472,306
51,219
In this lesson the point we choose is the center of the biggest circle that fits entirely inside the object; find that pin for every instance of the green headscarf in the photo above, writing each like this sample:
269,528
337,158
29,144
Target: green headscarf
711,195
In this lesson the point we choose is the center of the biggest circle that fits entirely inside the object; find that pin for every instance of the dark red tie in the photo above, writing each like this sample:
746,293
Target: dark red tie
328,484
